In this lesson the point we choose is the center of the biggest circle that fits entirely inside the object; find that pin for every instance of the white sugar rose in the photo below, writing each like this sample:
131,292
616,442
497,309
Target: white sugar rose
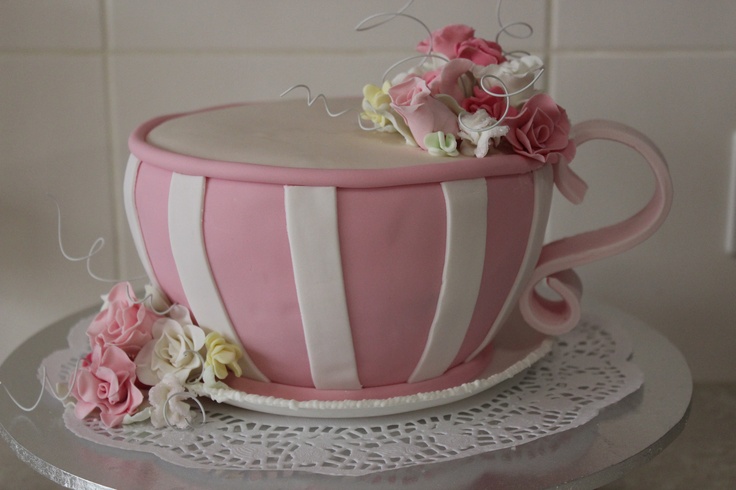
176,349
163,397
476,140
516,74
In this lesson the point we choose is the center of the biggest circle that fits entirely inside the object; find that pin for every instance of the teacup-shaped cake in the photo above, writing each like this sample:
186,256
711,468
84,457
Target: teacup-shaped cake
372,260
349,265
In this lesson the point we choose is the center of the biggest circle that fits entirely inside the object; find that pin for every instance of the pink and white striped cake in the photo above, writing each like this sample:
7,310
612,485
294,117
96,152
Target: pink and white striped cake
347,265
369,257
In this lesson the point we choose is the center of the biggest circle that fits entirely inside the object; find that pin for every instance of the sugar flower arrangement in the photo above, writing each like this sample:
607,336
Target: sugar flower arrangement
138,346
467,97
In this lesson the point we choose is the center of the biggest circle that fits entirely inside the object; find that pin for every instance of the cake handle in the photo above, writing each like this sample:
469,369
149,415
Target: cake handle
557,316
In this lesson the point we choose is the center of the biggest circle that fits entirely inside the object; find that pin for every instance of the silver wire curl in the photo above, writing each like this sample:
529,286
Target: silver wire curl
186,395
311,100
366,128
505,95
506,29
498,122
389,16
44,380
148,299
96,247
424,57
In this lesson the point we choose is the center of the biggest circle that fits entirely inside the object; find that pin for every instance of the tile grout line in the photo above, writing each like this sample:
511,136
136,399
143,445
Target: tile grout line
111,138
548,26
235,52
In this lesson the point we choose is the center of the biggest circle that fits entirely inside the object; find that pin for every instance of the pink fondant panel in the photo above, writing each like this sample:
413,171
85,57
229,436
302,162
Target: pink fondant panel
248,249
393,247
456,376
510,212
151,199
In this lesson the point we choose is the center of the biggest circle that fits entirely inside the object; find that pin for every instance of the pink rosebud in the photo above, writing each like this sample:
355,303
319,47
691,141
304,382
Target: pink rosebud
424,114
123,323
446,40
541,130
431,75
454,79
106,382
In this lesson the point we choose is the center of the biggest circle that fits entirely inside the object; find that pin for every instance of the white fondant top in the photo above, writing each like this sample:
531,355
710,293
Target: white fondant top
289,142
287,133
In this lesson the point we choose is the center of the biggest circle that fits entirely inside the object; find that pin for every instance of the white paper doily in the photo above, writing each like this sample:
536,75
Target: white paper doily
586,370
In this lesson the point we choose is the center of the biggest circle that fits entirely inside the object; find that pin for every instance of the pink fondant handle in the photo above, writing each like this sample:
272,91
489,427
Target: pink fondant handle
557,259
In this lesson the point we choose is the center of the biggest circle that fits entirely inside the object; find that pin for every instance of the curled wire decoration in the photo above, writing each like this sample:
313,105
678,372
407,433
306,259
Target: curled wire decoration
364,127
311,100
186,395
389,16
424,57
505,95
96,248
516,54
147,301
507,29
361,27
44,380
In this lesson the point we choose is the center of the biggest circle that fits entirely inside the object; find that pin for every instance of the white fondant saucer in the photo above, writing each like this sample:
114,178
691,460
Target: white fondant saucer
517,347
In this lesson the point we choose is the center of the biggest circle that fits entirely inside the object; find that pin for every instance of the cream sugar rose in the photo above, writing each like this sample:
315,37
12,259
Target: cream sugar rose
313,262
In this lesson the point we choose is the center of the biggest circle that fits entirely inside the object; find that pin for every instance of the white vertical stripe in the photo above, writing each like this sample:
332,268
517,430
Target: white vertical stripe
467,209
542,201
186,234
131,211
311,220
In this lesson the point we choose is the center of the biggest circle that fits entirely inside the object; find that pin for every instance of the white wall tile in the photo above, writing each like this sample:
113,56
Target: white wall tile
171,56
153,84
52,141
636,24
619,59
147,85
289,25
50,24
681,280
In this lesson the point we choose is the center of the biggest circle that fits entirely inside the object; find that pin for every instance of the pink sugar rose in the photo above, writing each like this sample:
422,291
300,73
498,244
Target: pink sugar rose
494,105
541,130
446,40
481,52
123,322
459,41
106,381
424,114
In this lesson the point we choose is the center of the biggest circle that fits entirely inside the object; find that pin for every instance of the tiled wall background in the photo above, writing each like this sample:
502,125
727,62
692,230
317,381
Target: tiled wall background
76,76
